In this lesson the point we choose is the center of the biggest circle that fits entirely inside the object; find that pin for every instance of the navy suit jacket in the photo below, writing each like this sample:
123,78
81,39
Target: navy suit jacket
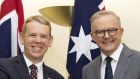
16,68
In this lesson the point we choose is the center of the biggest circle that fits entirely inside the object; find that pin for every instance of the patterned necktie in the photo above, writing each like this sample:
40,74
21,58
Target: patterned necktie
108,69
33,73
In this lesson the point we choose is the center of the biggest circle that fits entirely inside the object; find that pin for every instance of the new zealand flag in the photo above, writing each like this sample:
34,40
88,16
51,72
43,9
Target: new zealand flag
11,21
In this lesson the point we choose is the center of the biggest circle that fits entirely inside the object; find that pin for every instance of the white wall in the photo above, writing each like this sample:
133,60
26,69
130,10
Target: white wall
128,10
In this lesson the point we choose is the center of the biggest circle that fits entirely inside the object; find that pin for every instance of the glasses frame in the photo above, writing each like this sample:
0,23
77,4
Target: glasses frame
111,32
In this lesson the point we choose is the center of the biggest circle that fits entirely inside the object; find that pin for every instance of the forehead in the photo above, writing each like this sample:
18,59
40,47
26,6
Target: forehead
35,26
105,21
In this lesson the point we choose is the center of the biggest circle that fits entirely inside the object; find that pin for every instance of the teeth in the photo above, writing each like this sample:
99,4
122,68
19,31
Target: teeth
37,48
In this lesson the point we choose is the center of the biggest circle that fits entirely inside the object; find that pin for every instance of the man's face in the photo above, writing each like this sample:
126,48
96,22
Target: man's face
108,44
36,40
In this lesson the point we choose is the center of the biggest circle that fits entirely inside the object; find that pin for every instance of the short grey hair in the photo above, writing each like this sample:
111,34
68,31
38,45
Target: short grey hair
102,13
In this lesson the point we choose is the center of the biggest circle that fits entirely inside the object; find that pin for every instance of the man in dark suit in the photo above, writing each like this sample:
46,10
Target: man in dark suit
117,61
36,38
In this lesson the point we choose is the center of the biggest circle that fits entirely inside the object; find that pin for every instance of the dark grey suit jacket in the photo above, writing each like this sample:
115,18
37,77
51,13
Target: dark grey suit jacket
16,68
128,66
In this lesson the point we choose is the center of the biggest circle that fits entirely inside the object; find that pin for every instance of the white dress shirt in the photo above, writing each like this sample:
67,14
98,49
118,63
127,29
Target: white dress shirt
39,67
114,61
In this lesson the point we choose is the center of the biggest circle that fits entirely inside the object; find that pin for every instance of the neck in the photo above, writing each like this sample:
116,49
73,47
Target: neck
34,60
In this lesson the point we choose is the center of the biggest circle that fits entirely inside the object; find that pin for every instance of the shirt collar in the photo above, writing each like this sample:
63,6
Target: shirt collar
115,55
29,63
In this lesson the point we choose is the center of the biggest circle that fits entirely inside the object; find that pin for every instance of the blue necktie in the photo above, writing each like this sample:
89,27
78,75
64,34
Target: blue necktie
108,69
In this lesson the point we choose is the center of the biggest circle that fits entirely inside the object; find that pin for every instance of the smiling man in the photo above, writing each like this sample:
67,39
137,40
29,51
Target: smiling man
117,61
36,38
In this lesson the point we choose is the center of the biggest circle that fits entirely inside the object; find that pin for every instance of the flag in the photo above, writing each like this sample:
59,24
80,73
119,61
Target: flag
11,21
82,49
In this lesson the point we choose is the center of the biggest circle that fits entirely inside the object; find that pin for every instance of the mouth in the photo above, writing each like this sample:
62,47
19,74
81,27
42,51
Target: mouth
107,42
36,48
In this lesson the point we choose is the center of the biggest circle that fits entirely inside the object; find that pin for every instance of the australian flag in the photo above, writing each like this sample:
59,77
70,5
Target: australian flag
11,21
81,48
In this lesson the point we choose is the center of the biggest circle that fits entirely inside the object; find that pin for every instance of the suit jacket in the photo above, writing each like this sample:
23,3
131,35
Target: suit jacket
16,68
128,66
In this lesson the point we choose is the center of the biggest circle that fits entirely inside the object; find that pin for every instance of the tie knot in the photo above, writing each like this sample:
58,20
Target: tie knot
33,67
108,59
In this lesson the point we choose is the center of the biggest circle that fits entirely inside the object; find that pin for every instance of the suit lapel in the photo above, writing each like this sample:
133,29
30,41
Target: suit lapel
97,67
46,72
23,70
21,67
123,63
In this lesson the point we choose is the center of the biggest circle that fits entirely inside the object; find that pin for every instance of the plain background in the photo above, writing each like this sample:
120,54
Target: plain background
128,10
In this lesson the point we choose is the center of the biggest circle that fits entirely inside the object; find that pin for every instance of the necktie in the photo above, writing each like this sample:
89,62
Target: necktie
33,73
108,69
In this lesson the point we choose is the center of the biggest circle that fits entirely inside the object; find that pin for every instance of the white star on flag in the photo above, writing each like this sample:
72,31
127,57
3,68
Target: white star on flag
83,45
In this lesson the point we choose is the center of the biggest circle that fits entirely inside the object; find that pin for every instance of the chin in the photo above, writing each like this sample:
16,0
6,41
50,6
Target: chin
37,55
108,49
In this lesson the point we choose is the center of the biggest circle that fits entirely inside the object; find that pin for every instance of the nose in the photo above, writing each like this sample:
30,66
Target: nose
38,39
106,35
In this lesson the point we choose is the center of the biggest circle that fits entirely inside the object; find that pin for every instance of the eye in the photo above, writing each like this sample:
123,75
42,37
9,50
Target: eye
99,31
112,30
44,36
32,35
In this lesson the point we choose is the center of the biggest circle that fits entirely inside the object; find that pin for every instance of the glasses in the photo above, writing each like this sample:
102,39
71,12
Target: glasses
101,33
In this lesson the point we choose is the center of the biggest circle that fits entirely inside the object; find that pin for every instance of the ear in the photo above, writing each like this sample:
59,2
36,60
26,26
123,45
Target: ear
122,30
21,38
50,41
91,34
